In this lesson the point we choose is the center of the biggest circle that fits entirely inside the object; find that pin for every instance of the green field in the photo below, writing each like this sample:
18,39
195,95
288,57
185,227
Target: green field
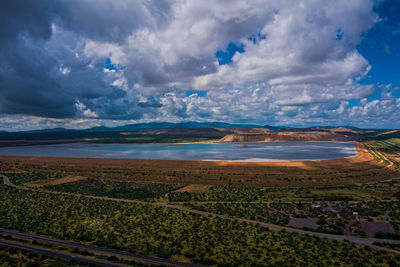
172,233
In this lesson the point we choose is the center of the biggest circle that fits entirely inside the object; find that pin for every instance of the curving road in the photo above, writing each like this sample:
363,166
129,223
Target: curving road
353,239
93,249
59,254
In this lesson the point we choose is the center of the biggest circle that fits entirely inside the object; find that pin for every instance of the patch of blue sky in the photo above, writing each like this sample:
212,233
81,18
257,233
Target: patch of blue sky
199,93
354,102
225,57
381,45
257,37
396,93
111,67
375,96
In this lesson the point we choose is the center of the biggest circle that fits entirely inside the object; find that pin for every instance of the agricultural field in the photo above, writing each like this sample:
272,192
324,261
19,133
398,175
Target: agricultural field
172,233
113,189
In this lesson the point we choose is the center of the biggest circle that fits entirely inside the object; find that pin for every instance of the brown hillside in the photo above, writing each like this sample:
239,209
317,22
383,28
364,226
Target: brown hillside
284,136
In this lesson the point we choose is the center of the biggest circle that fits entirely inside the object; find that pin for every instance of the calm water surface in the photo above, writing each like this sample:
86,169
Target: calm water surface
251,151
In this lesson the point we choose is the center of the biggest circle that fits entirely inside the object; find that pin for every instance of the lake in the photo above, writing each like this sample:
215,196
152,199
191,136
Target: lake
249,151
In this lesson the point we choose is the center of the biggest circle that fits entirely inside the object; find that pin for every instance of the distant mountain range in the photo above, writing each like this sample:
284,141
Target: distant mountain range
114,132
181,125
151,126
169,125
161,131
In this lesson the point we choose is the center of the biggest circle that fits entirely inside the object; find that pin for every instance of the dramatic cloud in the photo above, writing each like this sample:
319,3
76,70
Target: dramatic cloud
80,63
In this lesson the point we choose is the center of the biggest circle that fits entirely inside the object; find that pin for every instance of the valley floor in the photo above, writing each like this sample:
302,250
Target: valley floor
212,213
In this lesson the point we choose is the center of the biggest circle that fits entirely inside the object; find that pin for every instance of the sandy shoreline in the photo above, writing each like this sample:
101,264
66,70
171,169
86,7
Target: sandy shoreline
363,156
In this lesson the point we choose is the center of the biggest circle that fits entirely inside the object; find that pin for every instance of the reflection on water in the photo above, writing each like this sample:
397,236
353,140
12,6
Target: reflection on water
251,151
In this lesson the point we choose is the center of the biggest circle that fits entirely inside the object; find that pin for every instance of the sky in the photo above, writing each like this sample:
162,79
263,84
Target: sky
85,63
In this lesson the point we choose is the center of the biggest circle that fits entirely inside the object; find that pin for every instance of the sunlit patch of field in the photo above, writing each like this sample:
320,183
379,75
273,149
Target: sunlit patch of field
194,188
394,141
56,181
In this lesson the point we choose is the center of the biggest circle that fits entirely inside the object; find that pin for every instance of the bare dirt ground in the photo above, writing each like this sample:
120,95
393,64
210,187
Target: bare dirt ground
57,181
310,223
370,228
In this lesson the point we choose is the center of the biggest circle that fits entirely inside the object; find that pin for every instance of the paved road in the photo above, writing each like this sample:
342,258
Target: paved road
98,250
358,240
58,254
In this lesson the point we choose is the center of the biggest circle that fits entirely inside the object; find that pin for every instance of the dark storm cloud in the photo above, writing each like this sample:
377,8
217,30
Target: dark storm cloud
31,82
25,84
25,17
41,73
56,59
111,20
